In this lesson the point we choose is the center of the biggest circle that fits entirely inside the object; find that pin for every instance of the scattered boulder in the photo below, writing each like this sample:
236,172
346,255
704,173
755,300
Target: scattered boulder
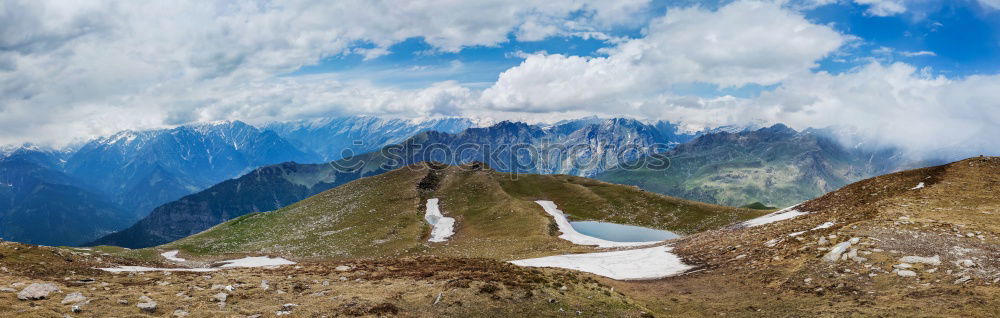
962,280
933,261
73,298
342,268
966,263
906,273
265,285
179,313
835,252
220,297
37,291
146,304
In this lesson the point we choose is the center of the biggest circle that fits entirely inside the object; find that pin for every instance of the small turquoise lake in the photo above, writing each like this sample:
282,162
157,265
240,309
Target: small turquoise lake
620,232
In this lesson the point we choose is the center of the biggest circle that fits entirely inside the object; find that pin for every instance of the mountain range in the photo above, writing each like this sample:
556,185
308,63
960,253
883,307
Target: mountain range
332,138
272,187
183,180
133,172
776,166
41,205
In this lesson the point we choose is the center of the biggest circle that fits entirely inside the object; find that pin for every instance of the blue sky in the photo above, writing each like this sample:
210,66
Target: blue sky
951,38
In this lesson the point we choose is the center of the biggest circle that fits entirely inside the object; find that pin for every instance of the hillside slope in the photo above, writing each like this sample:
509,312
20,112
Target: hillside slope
264,189
495,214
915,243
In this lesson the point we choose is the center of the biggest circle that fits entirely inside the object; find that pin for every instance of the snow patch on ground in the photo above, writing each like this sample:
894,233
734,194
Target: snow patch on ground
781,215
638,264
442,227
172,256
250,261
919,186
256,261
129,269
570,234
818,227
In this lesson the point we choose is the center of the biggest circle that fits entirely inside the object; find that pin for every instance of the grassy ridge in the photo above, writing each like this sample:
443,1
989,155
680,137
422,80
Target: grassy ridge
495,213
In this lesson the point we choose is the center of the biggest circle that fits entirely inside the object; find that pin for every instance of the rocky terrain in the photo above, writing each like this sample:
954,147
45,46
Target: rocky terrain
53,282
921,242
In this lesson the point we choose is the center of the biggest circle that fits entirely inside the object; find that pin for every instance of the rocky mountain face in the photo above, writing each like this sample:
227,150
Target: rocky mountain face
76,196
332,138
41,205
140,170
776,166
582,148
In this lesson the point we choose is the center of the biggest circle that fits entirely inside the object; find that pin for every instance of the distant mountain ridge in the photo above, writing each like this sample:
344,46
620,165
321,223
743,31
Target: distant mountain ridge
41,205
775,166
132,172
140,170
331,137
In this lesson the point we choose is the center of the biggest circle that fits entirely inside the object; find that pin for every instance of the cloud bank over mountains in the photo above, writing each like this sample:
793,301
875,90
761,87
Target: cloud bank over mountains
71,69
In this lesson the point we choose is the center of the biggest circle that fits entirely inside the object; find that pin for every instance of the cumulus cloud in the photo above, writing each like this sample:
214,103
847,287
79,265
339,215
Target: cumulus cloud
167,60
887,103
71,69
746,42
895,104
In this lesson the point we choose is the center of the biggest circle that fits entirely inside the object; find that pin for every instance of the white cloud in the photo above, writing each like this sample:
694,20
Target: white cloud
883,8
61,62
991,4
895,104
918,53
731,47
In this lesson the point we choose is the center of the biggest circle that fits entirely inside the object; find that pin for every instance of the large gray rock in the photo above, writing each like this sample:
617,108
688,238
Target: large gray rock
73,298
37,291
935,261
146,304
220,297
837,251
